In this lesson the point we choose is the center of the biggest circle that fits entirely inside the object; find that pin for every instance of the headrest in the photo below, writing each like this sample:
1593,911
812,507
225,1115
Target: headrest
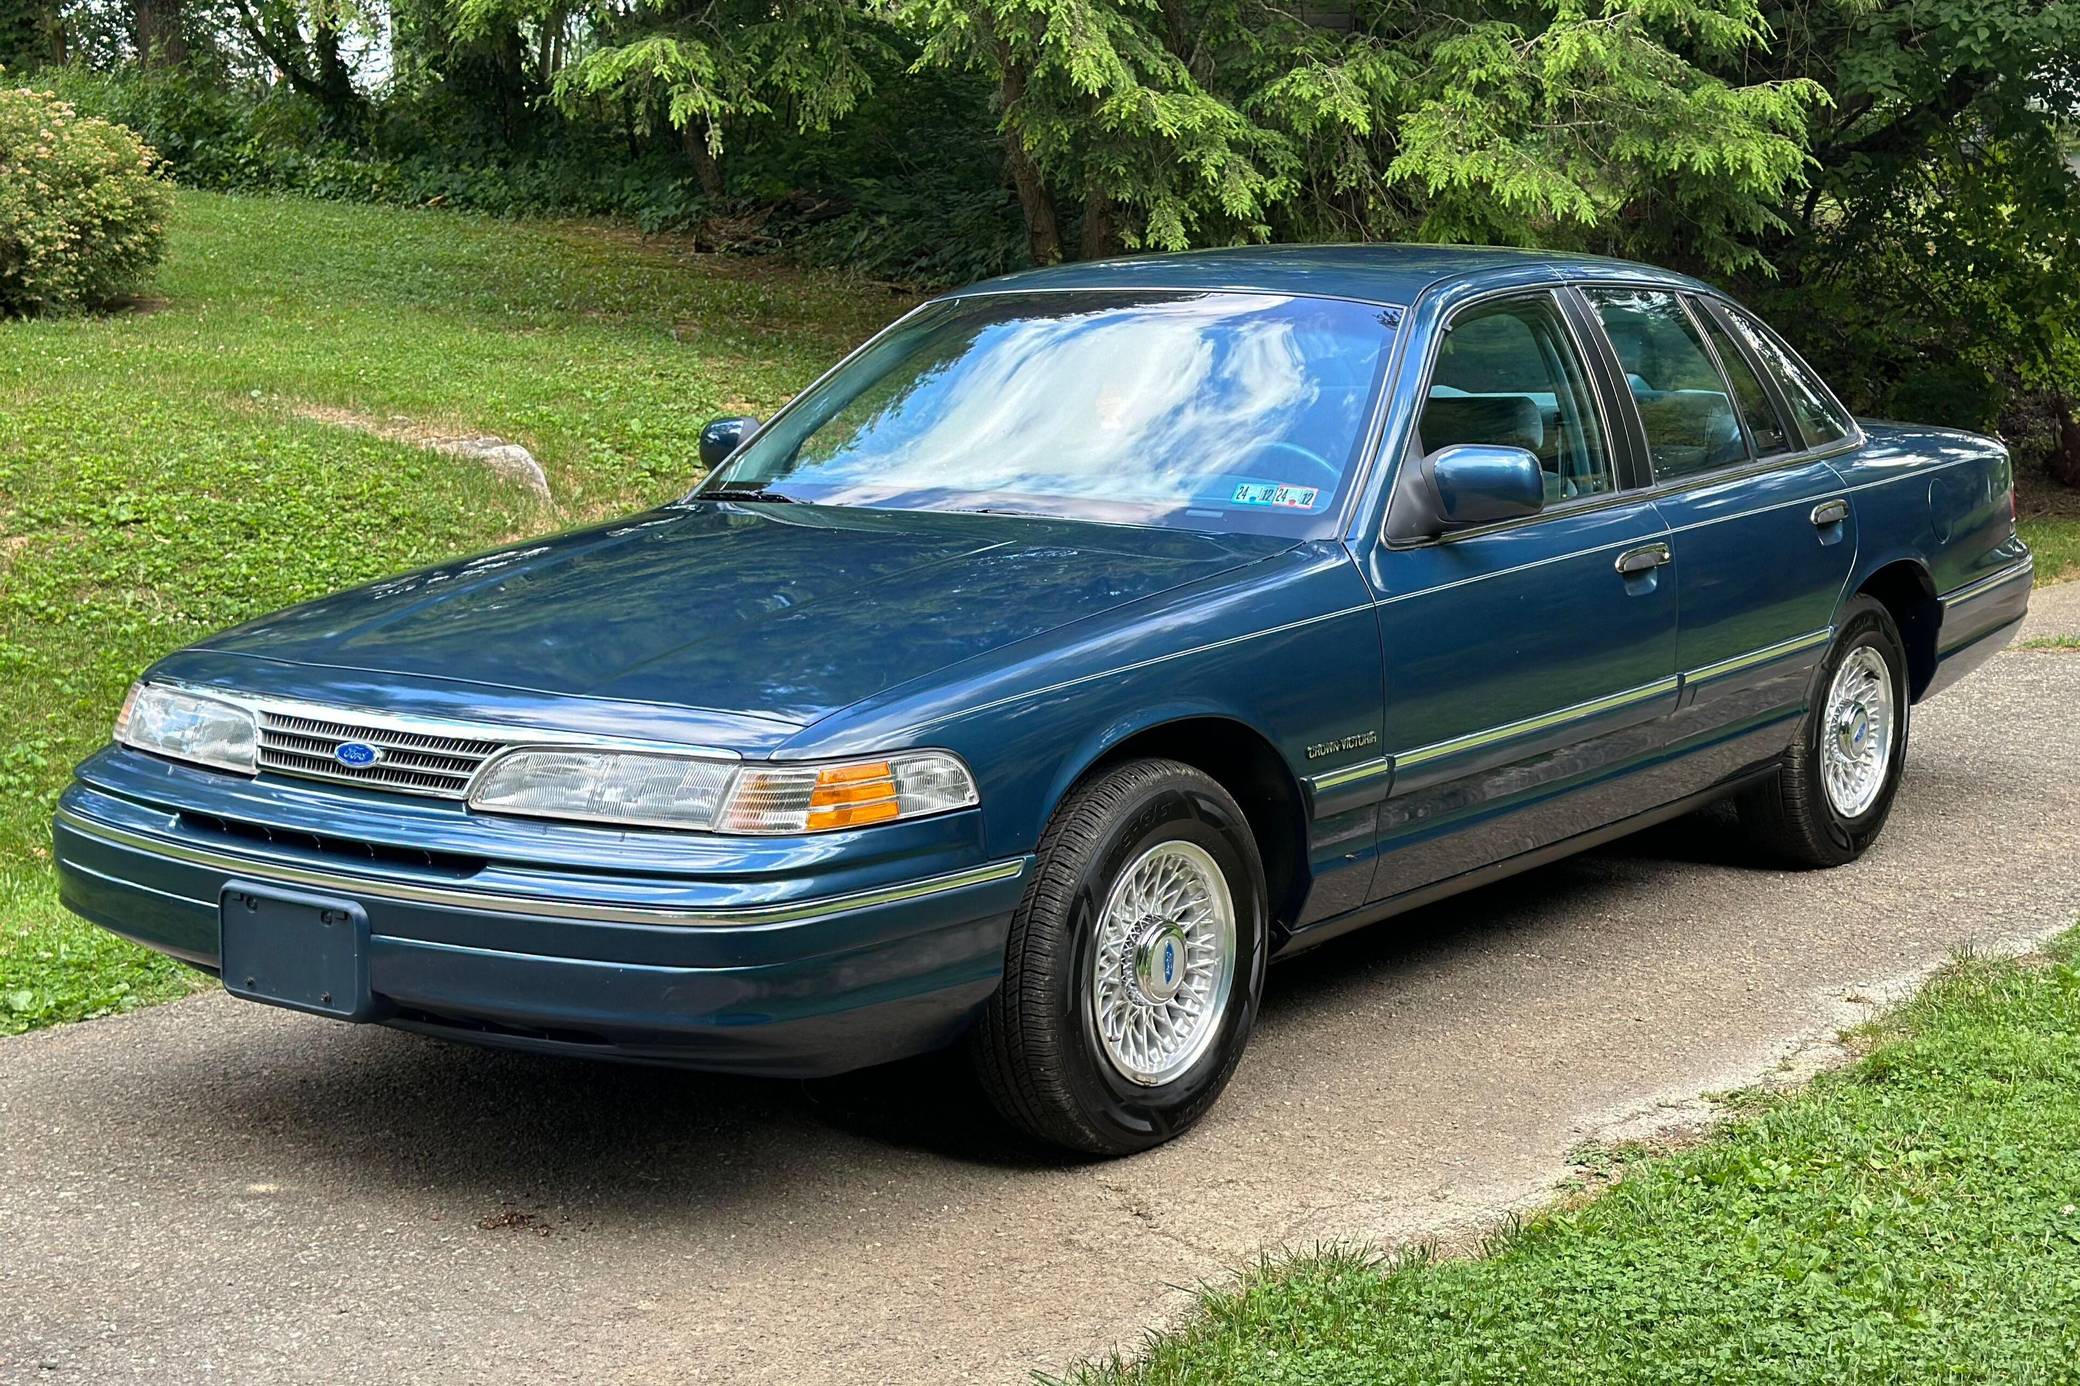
1511,421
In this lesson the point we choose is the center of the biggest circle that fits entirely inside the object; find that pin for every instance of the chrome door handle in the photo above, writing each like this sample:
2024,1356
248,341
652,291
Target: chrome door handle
1643,559
1830,513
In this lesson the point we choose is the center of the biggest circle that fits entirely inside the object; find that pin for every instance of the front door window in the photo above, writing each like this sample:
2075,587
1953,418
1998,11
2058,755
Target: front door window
1508,375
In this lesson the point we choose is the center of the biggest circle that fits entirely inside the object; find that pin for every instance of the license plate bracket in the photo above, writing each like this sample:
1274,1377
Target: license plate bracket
288,948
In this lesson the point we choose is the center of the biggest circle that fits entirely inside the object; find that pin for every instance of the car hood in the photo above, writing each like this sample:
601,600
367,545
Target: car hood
782,613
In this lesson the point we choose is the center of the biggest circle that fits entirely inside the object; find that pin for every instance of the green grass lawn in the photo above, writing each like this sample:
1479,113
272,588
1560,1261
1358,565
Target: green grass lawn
1914,1218
2056,542
2050,524
162,476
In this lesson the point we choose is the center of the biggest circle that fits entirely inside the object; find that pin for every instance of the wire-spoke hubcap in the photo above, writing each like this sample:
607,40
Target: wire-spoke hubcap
1856,739
1165,962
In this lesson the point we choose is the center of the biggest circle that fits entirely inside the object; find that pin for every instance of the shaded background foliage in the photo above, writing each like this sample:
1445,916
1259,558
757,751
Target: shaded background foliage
1894,180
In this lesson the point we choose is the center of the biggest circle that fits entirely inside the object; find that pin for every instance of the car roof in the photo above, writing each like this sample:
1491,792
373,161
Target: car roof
1394,274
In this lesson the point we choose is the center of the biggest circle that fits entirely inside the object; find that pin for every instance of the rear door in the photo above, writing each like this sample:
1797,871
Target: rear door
1529,663
1761,529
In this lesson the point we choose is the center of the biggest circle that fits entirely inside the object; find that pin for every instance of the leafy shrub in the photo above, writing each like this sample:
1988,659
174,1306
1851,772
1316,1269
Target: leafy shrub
82,208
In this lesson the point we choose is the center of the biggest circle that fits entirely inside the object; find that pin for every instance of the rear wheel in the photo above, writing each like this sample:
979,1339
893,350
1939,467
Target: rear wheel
1831,798
1134,966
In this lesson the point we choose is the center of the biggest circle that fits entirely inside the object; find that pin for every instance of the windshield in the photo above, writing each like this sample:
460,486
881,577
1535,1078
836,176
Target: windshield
1230,412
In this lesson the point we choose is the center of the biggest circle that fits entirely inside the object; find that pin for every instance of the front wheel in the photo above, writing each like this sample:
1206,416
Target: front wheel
1827,803
1134,966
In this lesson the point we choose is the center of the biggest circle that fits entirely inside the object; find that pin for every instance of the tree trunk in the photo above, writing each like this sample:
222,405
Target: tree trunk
508,62
1100,232
1177,36
705,164
159,39
335,84
316,69
56,23
1043,233
2065,450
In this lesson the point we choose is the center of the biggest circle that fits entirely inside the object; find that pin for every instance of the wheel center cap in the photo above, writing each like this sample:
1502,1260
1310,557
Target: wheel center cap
1159,954
1853,729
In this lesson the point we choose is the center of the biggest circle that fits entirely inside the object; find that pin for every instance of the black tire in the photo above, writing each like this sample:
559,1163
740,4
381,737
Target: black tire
1037,1051
1790,816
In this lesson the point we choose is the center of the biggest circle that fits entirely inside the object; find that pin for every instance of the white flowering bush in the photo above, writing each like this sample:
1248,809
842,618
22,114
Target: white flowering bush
83,207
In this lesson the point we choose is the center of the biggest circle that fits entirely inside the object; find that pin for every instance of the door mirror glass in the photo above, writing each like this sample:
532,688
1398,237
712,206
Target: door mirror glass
1478,484
720,438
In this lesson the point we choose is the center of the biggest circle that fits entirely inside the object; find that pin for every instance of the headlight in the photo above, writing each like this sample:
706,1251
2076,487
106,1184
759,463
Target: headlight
186,726
609,786
667,791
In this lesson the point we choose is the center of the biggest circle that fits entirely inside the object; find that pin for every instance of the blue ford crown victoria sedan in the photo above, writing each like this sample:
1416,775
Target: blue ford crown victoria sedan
1082,642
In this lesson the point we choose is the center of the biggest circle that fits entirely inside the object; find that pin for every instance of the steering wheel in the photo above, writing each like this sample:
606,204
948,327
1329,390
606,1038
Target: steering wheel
1307,455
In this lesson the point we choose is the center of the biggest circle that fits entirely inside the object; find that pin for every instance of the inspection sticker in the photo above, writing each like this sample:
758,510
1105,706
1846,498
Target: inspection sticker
1293,497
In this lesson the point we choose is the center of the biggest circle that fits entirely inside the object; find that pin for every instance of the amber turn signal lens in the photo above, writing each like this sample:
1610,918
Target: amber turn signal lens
847,796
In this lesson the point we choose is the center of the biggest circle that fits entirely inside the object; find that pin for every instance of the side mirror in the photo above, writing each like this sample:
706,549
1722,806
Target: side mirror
720,438
1476,484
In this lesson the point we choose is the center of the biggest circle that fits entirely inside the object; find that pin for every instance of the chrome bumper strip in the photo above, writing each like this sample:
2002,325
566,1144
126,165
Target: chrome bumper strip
1783,649
2011,573
449,897
1545,722
1351,774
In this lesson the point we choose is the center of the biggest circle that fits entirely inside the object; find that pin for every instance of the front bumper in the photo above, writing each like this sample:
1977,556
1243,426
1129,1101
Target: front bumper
630,965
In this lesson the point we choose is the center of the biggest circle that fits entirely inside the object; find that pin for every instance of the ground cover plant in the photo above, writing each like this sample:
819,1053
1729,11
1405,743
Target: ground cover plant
221,451
1915,1217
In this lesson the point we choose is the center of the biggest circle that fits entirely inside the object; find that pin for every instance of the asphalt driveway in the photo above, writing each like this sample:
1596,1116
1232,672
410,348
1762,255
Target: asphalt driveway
217,1191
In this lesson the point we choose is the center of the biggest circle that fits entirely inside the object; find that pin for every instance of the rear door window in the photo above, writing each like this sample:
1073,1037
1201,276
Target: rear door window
1684,403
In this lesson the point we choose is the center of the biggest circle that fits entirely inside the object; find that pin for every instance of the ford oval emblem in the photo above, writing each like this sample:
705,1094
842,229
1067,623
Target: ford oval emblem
356,755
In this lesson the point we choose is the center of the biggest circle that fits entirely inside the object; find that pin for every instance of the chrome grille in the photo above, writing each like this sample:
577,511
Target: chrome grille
412,761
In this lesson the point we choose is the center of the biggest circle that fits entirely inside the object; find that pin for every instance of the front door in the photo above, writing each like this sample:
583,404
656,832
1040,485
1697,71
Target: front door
1529,664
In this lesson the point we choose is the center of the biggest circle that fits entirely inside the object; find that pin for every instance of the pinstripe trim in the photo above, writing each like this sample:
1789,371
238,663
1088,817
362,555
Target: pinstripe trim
2011,573
1578,712
1633,542
1780,650
71,865
1677,529
1351,774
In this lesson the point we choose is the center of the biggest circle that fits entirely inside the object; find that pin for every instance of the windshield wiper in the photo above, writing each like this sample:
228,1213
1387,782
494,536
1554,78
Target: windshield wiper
752,493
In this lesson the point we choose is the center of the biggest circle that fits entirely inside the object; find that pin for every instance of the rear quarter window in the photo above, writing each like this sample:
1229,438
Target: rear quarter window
1818,413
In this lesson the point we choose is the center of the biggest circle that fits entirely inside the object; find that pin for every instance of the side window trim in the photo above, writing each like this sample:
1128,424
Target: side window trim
1621,388
1740,415
1634,468
1728,328
1805,450
1561,297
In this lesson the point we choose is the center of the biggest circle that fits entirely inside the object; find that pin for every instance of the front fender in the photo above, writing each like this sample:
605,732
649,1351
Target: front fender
1111,735
1288,647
